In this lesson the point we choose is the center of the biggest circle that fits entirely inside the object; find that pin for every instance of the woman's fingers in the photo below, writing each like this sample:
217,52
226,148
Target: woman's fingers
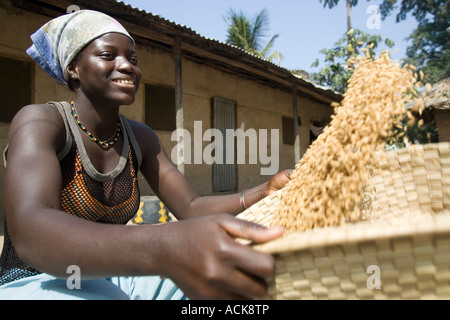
256,233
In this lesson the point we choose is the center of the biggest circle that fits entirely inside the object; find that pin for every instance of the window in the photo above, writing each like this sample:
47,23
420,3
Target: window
288,130
224,117
315,129
160,111
15,87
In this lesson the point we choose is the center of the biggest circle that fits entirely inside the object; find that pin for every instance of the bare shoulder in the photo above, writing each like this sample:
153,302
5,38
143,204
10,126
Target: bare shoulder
145,135
140,128
35,112
41,122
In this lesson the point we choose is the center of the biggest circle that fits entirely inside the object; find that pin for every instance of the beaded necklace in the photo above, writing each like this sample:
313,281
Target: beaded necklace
105,143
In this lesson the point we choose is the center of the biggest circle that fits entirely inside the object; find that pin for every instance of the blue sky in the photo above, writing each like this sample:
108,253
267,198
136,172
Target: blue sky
305,26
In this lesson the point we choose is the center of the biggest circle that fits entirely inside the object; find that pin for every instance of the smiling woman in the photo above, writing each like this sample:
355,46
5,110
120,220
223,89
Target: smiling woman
108,67
71,187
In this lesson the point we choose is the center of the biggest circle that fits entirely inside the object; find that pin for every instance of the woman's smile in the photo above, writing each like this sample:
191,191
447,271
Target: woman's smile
127,84
124,82
109,65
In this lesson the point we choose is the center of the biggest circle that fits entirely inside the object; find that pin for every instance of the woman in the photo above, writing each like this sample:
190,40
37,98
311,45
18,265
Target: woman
71,186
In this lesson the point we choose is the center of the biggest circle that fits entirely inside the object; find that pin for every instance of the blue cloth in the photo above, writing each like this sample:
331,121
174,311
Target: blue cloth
58,42
47,287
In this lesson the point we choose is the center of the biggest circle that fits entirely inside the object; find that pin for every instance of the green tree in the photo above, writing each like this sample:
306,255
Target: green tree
340,60
420,129
349,4
430,42
249,34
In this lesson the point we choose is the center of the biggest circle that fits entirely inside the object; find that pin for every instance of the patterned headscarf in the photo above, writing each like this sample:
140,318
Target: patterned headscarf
57,43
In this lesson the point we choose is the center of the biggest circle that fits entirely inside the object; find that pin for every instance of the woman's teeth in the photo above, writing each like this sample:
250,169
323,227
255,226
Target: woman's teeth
124,81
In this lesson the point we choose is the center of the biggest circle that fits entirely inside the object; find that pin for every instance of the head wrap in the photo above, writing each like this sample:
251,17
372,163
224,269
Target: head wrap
57,43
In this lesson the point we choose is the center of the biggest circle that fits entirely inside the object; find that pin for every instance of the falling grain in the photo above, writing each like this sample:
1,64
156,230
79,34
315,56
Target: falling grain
327,185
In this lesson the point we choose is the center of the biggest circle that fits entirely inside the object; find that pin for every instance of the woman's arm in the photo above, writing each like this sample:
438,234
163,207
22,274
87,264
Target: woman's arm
44,236
232,203
199,255
177,194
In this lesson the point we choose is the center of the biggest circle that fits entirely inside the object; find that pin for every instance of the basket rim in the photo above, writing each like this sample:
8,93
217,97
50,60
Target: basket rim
386,229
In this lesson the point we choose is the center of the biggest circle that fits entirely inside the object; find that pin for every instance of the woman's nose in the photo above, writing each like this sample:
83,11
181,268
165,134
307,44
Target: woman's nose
123,64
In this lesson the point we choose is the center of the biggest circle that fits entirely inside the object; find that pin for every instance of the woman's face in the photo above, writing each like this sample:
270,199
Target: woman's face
108,70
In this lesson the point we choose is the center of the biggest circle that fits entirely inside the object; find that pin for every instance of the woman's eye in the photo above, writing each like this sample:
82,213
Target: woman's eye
107,55
134,60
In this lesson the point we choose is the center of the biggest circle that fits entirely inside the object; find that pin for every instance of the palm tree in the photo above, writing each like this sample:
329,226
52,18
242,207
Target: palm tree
249,35
350,4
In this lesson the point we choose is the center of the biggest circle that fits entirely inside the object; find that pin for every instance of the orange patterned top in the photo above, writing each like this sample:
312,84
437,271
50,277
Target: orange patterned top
86,193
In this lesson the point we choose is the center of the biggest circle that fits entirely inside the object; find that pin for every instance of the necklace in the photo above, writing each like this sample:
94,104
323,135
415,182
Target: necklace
105,143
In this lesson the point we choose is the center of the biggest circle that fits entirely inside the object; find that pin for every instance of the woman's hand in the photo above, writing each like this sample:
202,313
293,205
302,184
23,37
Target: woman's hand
206,262
278,181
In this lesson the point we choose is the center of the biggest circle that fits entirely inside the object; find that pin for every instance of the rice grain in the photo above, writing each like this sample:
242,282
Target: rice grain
327,185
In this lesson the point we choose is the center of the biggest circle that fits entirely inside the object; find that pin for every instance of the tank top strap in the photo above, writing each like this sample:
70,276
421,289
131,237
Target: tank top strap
60,106
132,138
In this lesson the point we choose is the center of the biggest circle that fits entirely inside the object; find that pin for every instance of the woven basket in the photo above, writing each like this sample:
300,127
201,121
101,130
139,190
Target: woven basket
400,249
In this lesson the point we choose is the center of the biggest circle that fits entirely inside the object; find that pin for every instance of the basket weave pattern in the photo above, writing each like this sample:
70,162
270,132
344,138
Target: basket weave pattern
412,180
401,249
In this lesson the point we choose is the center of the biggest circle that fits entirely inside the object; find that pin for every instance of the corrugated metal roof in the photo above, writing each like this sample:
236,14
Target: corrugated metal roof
222,55
438,97
434,97
192,32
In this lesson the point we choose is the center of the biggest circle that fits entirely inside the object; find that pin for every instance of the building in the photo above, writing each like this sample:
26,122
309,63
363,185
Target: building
190,83
438,99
